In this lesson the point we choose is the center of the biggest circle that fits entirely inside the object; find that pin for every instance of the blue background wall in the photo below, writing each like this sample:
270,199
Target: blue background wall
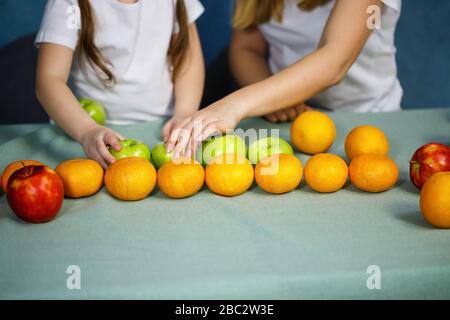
423,41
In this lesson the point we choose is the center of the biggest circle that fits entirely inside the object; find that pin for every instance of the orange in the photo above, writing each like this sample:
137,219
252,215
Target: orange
279,173
313,132
435,200
229,175
181,178
130,179
366,140
373,172
326,173
81,177
13,167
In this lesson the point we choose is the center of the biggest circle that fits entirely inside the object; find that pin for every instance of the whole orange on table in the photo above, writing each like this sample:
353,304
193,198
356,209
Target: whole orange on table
326,173
313,132
130,179
279,173
181,178
366,140
229,175
435,200
14,166
81,177
373,172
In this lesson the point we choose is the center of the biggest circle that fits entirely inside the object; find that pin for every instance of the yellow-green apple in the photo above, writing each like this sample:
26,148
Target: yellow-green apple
218,145
160,156
35,193
95,110
131,148
265,147
427,160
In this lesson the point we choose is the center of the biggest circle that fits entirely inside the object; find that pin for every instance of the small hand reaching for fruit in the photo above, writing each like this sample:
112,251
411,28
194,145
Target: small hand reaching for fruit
95,144
288,114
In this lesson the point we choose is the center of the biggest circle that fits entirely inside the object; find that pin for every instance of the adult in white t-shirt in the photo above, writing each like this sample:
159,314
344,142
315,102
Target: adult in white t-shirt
329,53
370,85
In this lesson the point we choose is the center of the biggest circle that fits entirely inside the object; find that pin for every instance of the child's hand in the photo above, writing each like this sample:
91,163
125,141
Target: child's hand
288,114
95,144
191,131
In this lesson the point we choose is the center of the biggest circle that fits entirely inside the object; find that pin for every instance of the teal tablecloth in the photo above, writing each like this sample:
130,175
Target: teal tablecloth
9,132
293,246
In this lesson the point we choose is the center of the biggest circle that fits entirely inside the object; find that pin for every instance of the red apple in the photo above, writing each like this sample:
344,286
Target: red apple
35,193
427,160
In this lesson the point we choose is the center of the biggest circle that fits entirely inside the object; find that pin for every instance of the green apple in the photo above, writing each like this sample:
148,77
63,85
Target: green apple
265,147
95,110
160,155
131,148
219,145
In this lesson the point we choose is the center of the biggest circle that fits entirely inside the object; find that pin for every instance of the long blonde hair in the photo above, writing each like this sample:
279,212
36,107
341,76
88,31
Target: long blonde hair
250,13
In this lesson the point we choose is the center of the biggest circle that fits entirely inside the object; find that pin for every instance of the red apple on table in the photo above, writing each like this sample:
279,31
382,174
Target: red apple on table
427,160
35,193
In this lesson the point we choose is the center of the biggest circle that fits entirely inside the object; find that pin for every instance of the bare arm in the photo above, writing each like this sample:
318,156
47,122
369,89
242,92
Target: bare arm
248,61
54,64
343,39
188,83
57,99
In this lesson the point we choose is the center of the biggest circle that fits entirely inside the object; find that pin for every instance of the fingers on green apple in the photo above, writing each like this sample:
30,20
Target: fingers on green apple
208,131
191,145
112,140
211,129
169,146
173,137
176,136
182,141
172,140
195,138
104,152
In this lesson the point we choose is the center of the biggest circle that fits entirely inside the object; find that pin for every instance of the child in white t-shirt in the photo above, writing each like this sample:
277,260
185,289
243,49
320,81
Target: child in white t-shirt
141,59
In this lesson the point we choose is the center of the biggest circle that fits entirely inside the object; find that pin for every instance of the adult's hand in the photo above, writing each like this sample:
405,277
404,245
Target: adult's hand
186,135
288,114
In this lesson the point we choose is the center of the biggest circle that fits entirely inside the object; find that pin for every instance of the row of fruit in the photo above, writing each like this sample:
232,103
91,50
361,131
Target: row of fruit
311,133
35,192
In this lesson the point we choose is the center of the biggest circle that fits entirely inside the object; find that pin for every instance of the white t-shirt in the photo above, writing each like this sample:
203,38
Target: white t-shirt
135,38
371,84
